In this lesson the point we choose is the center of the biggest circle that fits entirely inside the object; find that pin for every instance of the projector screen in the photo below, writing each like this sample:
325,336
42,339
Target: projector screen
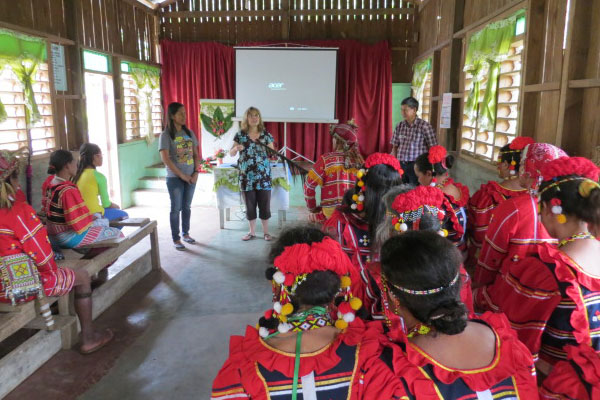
286,84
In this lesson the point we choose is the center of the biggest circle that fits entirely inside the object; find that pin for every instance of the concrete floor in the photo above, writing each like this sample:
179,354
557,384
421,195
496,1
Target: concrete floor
172,329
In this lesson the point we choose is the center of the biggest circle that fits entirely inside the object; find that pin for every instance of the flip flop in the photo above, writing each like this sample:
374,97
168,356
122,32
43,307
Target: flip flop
267,237
188,239
99,345
247,237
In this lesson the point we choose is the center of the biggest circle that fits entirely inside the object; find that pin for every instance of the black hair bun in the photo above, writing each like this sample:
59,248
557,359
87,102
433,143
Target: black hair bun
449,318
269,272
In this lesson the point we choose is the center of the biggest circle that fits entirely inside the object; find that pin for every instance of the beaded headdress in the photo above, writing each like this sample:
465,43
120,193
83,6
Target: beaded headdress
374,159
291,269
410,207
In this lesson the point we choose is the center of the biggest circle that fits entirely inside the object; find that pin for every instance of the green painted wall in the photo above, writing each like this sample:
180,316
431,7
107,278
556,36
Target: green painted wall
134,157
400,91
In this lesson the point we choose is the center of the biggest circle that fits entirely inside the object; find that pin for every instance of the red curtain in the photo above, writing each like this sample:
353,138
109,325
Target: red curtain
191,71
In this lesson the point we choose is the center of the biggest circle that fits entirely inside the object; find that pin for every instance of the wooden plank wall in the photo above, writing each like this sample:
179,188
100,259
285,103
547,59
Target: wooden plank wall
122,28
240,21
561,88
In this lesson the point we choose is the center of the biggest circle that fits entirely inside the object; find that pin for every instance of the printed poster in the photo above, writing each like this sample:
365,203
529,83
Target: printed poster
218,127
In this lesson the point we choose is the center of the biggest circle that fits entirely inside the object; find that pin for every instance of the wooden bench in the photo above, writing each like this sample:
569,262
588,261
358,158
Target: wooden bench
61,330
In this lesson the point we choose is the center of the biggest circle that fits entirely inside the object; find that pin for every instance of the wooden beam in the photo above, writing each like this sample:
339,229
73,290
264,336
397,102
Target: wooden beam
274,13
542,87
430,52
285,20
584,83
564,79
507,9
400,48
48,36
166,4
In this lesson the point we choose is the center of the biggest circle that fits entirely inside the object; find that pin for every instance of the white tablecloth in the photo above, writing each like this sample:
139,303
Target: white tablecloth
227,198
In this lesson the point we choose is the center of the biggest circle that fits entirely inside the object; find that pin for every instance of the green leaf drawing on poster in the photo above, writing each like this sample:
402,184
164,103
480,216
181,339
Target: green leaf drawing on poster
218,124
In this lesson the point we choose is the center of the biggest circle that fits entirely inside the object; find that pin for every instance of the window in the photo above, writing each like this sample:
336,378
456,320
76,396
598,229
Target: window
492,122
14,132
425,99
421,87
141,100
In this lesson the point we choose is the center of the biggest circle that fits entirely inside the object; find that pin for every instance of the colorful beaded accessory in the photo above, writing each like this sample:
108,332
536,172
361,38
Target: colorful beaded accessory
374,159
427,291
577,236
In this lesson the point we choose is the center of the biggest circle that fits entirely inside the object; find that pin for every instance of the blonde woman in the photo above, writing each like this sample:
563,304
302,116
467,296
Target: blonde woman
255,170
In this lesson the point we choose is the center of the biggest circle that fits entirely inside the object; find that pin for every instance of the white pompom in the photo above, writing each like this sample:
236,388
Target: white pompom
361,198
442,233
556,210
432,184
279,277
284,327
513,172
403,227
349,317
263,332
277,307
353,206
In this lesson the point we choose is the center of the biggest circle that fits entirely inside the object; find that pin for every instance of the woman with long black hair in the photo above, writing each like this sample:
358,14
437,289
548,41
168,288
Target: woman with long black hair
178,148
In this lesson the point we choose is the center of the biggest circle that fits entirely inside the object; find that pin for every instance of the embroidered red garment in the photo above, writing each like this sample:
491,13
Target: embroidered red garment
352,232
515,231
480,209
510,374
329,173
46,192
21,231
348,368
549,300
578,378
458,227
66,209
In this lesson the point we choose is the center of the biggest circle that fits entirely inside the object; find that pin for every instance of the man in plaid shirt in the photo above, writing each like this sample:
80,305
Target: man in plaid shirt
412,137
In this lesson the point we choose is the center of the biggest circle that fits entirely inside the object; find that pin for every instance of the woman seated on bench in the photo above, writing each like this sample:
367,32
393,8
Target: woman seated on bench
22,233
69,222
93,184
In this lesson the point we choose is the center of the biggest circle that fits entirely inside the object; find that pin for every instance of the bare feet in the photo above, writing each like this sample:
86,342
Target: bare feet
98,340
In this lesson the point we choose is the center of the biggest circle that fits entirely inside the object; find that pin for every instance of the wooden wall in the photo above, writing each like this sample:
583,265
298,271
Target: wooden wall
233,22
561,88
125,29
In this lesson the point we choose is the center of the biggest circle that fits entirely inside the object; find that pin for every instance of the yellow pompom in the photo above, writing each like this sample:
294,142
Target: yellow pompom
341,324
345,282
360,174
287,309
354,197
561,218
283,318
397,226
539,208
360,184
355,303
586,187
513,162
444,233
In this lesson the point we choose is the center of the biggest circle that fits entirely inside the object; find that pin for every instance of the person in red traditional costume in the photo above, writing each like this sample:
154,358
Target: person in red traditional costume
442,353
433,169
335,172
69,222
354,223
515,230
22,234
482,204
421,208
576,378
306,346
551,298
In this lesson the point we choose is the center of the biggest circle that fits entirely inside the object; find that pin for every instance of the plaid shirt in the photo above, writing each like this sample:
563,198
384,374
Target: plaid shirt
413,140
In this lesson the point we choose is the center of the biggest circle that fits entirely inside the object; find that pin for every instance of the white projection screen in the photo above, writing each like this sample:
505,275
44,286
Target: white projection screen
286,84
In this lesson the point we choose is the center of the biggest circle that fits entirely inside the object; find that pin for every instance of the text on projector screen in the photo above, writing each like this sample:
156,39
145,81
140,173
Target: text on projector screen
276,86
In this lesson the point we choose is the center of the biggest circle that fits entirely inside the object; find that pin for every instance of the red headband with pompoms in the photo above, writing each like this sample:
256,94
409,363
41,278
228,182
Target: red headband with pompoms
562,166
520,143
437,154
430,197
303,258
383,158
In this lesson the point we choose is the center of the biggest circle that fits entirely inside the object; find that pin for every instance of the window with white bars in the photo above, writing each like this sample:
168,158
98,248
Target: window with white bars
135,111
486,144
425,99
14,133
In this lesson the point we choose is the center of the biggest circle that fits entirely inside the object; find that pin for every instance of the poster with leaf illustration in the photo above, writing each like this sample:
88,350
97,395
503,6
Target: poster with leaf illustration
218,127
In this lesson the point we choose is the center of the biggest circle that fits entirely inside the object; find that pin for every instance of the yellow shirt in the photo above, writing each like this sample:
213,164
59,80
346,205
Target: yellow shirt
92,185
